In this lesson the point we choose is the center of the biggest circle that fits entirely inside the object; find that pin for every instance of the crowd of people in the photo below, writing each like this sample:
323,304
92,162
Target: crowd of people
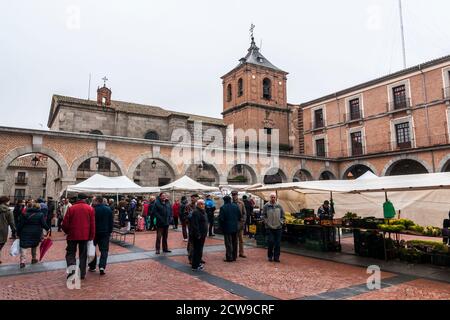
87,219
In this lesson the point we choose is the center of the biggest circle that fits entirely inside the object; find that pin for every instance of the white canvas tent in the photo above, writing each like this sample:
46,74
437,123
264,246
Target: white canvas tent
187,184
109,185
423,198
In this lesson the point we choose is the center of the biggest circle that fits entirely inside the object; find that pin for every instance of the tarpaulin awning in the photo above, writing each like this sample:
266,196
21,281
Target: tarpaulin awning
187,184
101,184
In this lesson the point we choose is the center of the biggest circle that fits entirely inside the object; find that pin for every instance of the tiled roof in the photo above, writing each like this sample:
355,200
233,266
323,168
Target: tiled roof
137,109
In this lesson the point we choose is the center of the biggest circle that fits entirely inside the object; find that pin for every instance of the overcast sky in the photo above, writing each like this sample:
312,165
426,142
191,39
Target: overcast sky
172,53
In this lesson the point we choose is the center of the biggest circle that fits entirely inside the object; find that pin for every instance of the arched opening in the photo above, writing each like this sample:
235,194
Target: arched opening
274,176
204,173
356,171
151,135
267,89
406,166
446,167
241,174
327,175
229,92
302,175
93,165
153,172
240,87
32,176
98,132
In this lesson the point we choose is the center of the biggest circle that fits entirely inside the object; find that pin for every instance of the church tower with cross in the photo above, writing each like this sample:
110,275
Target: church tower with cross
254,95
104,94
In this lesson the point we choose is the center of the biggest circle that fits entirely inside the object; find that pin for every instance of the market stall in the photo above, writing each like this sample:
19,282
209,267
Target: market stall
423,201
99,184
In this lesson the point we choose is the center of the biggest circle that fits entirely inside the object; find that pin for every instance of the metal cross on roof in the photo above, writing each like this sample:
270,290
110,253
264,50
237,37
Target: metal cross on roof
252,27
104,80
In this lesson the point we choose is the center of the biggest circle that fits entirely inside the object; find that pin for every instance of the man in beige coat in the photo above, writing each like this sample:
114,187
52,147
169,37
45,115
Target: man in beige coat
242,220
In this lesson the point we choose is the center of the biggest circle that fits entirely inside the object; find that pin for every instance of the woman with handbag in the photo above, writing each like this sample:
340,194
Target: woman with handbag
6,219
29,231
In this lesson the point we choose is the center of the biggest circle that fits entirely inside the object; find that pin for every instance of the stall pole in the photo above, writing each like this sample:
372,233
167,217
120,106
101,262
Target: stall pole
117,198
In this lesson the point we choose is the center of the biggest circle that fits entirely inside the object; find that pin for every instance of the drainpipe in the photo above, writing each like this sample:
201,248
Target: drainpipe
340,129
425,96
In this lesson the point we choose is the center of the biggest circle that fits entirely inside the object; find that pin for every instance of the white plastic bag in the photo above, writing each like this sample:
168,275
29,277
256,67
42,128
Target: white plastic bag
15,248
90,251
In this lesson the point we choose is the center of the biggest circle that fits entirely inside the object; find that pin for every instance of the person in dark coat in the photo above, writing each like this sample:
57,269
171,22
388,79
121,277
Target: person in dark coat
229,218
163,213
51,211
249,209
6,220
104,221
29,231
79,225
183,217
44,210
17,213
198,230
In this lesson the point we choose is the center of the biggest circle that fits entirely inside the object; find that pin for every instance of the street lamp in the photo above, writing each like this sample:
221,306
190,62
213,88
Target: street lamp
153,164
35,161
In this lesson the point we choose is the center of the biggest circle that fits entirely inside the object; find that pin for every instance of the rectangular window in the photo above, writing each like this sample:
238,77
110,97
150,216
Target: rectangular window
320,147
403,135
21,177
19,194
357,146
318,118
447,89
400,100
355,112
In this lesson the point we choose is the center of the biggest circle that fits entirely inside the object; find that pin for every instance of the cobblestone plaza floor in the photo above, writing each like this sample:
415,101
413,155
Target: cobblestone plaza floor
136,272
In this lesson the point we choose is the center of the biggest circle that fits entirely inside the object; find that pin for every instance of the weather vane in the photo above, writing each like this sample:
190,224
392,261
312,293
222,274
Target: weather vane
252,27
104,80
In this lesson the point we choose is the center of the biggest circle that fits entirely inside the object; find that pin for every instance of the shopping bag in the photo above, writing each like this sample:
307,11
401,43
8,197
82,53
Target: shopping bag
252,228
90,251
45,245
15,248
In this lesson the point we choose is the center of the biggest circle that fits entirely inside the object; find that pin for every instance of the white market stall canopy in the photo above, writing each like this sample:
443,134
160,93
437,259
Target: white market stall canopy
423,198
187,184
102,184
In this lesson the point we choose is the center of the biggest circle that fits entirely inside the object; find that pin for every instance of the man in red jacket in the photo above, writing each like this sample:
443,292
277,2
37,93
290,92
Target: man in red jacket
79,226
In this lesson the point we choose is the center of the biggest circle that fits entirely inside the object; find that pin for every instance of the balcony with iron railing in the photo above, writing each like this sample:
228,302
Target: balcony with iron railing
399,104
21,181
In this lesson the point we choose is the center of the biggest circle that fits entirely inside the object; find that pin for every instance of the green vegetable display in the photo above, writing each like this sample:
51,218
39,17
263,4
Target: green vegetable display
391,227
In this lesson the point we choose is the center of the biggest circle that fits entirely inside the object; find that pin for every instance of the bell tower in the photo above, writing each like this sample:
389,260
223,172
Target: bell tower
254,95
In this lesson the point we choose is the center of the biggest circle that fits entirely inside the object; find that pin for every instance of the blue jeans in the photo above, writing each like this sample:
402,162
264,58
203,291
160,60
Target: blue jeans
273,243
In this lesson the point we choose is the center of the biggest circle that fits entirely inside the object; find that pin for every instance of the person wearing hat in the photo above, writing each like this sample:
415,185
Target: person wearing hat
229,217
243,218
210,207
79,226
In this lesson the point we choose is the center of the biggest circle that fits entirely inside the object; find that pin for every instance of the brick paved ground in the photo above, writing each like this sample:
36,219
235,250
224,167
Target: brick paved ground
130,281
413,290
295,277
